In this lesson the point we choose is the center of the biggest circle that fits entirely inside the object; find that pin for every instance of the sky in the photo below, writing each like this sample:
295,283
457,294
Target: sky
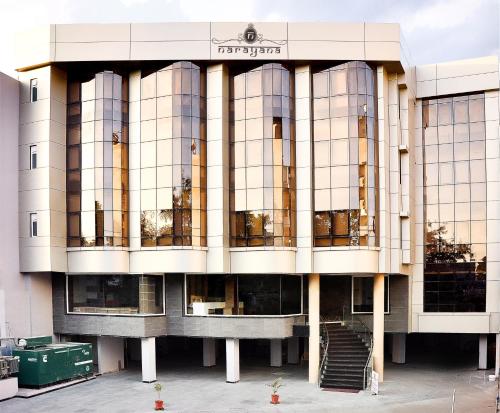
434,30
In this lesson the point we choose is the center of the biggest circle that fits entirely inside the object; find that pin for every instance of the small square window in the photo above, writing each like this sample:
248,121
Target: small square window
362,295
34,90
33,157
33,225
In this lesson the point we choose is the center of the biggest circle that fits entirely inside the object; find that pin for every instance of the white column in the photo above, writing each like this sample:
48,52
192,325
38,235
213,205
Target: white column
492,118
383,170
148,357
276,353
303,169
313,327
208,352
217,169
497,356
399,348
378,325
110,354
293,350
483,351
232,360
134,160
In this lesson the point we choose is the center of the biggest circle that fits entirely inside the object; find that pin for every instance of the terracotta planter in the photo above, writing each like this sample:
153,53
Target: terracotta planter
275,399
159,405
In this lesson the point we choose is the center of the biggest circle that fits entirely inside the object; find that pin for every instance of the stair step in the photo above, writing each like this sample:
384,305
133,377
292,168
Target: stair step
345,358
353,351
333,359
347,345
348,374
341,386
345,364
339,379
348,340
348,352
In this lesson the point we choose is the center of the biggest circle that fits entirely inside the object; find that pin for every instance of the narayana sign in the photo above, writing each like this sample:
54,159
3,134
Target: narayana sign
250,43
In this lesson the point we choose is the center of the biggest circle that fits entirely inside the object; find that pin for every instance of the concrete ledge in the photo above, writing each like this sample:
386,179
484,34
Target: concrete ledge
454,323
8,388
28,393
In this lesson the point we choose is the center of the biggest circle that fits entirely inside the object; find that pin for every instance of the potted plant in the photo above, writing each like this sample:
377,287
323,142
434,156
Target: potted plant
275,385
159,402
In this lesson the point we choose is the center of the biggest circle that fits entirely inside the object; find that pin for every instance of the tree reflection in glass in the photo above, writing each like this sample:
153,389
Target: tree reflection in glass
262,158
454,178
173,157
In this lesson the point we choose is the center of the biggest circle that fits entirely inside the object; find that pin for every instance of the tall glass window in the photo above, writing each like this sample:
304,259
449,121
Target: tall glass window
262,197
345,156
173,157
455,204
97,161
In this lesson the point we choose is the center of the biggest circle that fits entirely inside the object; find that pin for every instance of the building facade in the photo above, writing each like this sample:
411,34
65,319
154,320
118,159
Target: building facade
238,181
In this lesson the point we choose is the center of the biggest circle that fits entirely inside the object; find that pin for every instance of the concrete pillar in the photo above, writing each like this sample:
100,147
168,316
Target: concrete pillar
483,351
313,327
232,360
497,356
378,325
148,357
208,352
399,348
110,354
276,353
134,159
293,350
218,257
304,169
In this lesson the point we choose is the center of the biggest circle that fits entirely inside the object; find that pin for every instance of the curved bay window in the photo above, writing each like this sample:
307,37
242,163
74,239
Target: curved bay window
173,157
97,161
262,173
345,156
454,143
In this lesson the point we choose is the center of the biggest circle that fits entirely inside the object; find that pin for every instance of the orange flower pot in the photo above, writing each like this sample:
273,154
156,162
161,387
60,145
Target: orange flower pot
275,399
159,405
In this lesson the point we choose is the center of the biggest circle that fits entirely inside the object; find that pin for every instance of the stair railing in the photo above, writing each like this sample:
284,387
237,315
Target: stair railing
363,331
325,342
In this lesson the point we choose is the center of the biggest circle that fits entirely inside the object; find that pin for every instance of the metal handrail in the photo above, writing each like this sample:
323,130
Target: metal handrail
324,344
359,327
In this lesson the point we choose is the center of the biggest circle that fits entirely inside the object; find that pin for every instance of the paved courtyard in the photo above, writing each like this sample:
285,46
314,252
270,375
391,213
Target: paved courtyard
414,387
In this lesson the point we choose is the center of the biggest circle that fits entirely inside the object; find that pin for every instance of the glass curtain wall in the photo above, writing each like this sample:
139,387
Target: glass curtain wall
345,156
455,204
97,161
262,173
173,157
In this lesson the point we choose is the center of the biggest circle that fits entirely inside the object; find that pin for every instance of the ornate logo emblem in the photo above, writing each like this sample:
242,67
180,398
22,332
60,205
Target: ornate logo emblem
250,34
256,42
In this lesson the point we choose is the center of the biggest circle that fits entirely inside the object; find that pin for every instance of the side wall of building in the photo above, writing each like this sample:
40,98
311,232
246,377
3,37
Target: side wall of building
25,307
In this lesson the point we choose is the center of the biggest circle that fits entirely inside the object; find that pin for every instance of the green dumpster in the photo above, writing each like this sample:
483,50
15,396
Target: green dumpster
54,363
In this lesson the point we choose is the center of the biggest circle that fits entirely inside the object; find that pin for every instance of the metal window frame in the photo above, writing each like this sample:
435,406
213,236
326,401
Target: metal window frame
247,315
386,276
114,315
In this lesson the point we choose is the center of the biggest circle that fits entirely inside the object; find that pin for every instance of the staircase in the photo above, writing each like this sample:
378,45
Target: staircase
345,359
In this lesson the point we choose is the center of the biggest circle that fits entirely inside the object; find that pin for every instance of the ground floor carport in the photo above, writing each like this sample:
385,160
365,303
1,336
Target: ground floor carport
426,383
210,352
